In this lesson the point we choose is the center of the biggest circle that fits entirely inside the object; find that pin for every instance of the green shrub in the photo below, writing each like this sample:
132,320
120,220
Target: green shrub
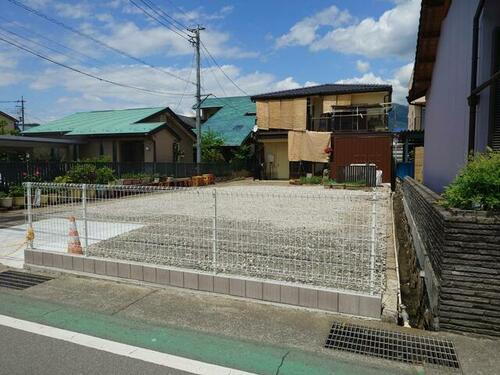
62,180
83,174
16,191
86,174
104,175
478,184
314,180
3,195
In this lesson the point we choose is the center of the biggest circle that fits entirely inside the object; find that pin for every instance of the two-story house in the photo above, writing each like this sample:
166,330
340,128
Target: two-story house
457,69
310,129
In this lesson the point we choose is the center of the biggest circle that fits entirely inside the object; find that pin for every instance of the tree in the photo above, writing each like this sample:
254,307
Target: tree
211,143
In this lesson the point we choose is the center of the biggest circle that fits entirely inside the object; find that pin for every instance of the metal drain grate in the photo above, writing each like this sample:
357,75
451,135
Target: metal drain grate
20,280
391,345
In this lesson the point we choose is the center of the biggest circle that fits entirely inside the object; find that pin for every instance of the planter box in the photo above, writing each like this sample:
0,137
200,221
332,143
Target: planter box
44,199
459,251
18,201
6,202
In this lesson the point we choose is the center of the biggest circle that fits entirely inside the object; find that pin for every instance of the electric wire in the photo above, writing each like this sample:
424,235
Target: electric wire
146,12
185,87
51,40
27,49
95,40
168,18
41,45
222,70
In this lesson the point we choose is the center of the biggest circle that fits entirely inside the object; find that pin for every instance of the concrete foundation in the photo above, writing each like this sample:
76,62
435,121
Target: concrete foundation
351,303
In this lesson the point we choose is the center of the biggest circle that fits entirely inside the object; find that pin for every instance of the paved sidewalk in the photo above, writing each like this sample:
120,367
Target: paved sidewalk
227,331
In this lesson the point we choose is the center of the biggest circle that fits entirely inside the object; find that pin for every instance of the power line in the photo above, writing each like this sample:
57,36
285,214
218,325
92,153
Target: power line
40,44
222,70
215,77
175,29
180,9
26,49
95,40
53,41
167,16
185,87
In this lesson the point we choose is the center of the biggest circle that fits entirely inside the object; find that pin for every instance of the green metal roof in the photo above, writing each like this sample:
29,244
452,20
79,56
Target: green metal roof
230,121
123,121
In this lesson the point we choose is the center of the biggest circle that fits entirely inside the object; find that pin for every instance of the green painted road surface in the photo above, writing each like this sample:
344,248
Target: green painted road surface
247,356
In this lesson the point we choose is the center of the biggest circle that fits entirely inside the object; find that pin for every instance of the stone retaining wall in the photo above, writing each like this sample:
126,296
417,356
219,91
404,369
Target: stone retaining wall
265,290
462,250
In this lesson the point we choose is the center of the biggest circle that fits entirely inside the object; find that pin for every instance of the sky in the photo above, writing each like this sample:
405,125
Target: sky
258,46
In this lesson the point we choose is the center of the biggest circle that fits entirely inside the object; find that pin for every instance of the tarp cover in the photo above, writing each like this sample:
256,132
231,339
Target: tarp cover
289,114
308,146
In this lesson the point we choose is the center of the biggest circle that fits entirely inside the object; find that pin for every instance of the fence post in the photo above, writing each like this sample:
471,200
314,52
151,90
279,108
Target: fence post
373,242
29,213
84,209
214,232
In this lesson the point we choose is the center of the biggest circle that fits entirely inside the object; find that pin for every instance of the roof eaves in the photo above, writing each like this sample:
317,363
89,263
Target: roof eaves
325,89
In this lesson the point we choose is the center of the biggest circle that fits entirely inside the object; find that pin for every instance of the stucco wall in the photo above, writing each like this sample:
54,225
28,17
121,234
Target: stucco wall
164,141
447,112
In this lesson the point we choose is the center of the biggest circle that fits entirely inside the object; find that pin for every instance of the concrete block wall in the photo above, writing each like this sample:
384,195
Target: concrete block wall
264,290
469,261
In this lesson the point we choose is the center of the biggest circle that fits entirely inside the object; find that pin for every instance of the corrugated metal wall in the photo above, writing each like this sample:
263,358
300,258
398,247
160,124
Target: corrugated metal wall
362,148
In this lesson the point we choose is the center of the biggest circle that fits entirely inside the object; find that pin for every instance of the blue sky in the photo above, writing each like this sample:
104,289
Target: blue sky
262,45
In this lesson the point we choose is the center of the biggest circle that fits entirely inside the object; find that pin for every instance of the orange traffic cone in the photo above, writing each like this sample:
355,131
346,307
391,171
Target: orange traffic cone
74,245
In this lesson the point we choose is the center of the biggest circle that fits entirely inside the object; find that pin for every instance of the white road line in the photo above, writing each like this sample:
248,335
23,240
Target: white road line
146,355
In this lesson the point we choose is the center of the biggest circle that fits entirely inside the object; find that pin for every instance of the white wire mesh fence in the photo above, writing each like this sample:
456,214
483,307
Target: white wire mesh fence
323,237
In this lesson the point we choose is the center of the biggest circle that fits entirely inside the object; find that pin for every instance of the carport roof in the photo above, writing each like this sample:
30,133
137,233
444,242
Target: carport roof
124,121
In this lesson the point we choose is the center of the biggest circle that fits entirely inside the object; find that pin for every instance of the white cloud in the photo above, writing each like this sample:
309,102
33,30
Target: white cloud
304,32
80,10
37,3
8,59
8,78
84,93
9,75
362,66
393,33
287,84
399,82
197,14
147,41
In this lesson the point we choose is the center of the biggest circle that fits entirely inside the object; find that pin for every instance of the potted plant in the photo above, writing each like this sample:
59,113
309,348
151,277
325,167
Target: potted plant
17,194
5,200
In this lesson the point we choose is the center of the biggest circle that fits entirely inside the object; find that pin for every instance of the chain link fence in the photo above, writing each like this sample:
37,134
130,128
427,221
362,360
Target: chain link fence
330,238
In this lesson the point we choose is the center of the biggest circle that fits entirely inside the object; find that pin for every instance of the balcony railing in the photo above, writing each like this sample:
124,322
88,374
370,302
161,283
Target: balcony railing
349,123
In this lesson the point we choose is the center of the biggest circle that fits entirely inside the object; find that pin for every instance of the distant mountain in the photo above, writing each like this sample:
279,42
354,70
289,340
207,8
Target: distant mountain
398,118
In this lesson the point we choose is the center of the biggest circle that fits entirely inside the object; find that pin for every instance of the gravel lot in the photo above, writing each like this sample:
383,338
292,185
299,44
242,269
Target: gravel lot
304,234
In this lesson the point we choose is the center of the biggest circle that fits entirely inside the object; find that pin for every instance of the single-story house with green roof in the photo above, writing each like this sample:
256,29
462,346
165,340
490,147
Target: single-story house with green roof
232,118
126,135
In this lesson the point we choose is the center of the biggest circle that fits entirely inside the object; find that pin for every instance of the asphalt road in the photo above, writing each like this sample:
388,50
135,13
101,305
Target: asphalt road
23,353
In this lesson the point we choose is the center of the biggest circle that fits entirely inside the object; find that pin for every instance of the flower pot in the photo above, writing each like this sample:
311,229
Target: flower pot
75,194
18,201
91,193
6,202
44,199
53,198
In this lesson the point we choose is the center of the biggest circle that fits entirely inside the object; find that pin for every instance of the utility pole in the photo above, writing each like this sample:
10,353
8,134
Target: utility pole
22,112
195,41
